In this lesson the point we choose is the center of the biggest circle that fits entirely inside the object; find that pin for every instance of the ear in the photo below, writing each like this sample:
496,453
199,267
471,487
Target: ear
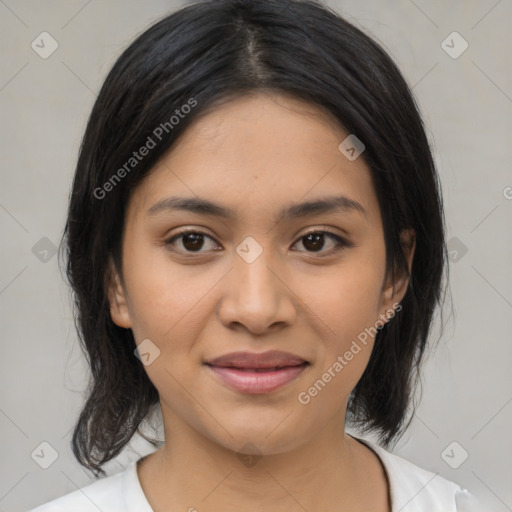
393,291
117,298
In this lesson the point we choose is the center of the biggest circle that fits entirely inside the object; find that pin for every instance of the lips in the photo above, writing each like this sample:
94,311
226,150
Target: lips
272,359
257,373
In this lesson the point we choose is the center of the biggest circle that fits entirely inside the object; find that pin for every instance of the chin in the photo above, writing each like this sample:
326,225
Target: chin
266,438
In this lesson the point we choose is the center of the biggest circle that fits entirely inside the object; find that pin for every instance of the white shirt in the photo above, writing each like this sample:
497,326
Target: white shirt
412,489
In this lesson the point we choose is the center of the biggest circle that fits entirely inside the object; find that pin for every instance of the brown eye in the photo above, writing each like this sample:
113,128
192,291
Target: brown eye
315,241
191,241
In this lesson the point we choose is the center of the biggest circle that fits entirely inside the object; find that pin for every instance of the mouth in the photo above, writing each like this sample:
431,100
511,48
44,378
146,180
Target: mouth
257,373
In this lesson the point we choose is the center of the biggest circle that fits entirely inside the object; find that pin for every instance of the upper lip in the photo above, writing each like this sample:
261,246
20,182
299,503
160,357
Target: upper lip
270,359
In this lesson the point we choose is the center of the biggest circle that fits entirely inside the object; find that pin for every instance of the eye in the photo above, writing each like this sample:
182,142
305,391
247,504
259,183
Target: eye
314,241
191,241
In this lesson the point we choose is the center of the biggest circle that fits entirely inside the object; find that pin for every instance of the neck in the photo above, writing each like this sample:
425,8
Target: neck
329,472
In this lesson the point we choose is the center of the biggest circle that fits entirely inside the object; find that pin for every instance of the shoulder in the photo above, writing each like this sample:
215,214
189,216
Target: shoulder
115,493
414,489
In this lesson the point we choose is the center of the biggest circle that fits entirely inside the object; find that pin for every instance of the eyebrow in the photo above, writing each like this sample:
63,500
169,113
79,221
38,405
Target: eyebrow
332,204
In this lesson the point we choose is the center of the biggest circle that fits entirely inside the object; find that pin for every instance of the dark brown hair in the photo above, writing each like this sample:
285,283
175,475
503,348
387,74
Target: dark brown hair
211,52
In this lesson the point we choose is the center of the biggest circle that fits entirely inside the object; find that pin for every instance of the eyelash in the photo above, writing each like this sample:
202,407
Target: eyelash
341,243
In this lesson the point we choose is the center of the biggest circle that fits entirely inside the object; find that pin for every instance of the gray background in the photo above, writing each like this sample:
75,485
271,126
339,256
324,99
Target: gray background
467,107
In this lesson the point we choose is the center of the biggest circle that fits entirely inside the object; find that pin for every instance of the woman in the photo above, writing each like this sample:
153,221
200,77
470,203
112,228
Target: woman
255,240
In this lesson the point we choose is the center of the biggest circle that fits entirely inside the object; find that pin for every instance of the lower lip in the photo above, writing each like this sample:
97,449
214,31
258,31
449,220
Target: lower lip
257,382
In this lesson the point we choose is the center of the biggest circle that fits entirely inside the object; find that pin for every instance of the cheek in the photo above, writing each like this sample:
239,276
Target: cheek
165,298
343,306
344,301
343,357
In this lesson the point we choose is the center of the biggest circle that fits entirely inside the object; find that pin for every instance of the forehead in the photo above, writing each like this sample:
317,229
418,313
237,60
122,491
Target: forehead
262,125
259,152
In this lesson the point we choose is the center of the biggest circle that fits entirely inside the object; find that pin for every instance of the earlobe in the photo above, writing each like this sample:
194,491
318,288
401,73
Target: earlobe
117,298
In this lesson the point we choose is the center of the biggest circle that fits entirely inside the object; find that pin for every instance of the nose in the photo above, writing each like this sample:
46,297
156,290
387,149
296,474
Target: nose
256,296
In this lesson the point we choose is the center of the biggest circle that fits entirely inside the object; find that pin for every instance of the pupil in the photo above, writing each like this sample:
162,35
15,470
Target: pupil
317,243
193,241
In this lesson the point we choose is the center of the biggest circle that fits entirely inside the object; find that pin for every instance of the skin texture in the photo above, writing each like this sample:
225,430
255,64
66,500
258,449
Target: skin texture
256,155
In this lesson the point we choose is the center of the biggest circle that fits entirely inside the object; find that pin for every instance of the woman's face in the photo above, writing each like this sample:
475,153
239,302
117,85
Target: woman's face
249,277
